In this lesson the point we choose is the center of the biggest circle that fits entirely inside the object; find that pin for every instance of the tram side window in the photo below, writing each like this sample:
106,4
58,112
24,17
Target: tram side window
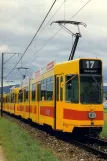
57,89
26,95
61,89
15,95
7,99
39,91
72,91
43,90
20,96
50,88
12,98
34,92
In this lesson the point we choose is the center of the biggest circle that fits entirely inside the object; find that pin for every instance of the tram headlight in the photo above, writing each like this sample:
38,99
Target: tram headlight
92,115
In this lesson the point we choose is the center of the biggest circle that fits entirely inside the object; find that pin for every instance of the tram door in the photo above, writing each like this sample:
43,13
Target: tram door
59,93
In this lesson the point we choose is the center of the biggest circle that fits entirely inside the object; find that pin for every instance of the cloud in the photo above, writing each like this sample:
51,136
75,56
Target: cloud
4,48
19,21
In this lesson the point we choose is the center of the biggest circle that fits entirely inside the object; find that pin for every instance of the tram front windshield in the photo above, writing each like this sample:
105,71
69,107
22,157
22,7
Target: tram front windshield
91,89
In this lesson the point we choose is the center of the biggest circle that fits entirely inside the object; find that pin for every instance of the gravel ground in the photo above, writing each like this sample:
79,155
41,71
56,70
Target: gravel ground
63,150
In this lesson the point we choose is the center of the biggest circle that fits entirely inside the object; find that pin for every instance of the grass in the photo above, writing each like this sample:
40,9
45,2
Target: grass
105,110
104,132
20,146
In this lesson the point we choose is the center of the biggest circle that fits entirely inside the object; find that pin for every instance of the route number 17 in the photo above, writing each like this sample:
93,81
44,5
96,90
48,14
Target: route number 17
90,64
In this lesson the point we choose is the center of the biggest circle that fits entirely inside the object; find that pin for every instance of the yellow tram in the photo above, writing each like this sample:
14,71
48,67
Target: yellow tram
67,96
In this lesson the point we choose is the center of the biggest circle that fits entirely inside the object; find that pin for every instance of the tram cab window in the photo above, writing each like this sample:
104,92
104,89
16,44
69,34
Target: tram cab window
91,89
72,89
34,92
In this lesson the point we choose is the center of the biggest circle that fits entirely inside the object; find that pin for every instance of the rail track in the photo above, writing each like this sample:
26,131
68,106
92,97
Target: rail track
94,145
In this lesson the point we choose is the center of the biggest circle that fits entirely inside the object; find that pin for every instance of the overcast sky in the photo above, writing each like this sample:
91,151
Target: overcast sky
20,19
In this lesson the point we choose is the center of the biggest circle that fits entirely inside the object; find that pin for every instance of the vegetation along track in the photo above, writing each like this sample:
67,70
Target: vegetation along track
62,144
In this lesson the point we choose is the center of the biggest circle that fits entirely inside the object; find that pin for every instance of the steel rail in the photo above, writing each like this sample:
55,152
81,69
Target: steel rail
90,148
97,141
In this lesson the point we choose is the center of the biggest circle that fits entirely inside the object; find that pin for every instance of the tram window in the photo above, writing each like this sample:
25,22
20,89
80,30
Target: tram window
15,95
50,79
39,92
43,92
34,92
72,91
9,99
49,88
6,98
90,89
12,98
49,91
61,89
44,81
57,89
20,96
26,95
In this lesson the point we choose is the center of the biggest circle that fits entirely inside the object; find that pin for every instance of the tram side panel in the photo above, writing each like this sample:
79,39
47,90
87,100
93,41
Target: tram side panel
20,105
34,101
46,101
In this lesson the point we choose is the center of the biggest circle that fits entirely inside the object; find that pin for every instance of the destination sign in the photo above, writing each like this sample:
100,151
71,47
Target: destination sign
90,67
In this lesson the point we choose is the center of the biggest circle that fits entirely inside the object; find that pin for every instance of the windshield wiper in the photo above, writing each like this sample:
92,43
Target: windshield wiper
96,82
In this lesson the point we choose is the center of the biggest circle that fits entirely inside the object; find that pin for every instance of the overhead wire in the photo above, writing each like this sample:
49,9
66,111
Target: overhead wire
50,38
56,33
9,59
79,10
52,17
45,27
32,39
42,46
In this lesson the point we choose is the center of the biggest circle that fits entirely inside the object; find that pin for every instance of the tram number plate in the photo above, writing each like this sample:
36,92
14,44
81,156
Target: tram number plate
92,115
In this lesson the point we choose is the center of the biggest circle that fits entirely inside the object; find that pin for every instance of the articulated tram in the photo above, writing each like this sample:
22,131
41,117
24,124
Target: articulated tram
67,96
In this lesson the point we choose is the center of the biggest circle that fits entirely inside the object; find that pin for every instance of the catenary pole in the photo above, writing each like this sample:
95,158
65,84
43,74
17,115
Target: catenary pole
2,67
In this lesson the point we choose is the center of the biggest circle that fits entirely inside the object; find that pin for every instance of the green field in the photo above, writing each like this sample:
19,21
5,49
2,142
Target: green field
18,145
104,132
105,110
